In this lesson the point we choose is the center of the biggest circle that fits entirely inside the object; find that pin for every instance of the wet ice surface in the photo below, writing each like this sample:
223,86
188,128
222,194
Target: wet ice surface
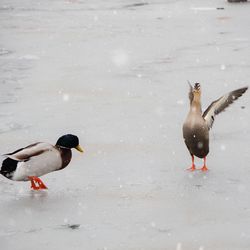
115,73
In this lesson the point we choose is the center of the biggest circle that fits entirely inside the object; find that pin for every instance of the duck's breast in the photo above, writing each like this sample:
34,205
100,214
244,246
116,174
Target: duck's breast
196,136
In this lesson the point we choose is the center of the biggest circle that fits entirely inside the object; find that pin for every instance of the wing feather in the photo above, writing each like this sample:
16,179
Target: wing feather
221,104
24,154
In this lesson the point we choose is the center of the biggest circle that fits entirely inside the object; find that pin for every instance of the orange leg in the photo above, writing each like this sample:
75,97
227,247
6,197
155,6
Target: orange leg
192,168
33,184
204,168
40,183
36,183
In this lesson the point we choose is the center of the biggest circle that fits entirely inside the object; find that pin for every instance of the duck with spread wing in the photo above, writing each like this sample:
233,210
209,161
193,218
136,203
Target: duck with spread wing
197,124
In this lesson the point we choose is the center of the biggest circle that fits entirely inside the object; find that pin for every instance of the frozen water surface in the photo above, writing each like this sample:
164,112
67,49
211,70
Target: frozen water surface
115,73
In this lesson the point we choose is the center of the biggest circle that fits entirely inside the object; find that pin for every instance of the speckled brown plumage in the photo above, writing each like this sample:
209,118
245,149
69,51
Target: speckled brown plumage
197,125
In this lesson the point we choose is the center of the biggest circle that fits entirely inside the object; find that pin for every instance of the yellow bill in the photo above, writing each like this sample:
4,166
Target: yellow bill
79,148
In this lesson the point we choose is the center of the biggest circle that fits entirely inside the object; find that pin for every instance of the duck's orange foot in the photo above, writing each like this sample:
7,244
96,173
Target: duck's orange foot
36,183
204,169
192,168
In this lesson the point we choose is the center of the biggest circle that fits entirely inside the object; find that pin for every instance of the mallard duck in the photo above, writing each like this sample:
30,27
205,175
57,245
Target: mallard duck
197,125
35,160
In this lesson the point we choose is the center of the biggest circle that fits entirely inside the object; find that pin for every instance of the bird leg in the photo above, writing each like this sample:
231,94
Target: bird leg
36,183
33,184
40,183
192,168
204,168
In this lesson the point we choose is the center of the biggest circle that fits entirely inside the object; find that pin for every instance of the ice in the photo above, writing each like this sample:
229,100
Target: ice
29,57
179,246
115,74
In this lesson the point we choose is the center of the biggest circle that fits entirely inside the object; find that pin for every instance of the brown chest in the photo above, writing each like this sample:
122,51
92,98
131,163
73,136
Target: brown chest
66,155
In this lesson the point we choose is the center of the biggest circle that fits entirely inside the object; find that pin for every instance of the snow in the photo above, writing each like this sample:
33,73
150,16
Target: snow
115,74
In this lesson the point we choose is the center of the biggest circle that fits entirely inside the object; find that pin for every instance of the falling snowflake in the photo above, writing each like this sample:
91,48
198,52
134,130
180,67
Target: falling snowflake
65,97
120,58
223,67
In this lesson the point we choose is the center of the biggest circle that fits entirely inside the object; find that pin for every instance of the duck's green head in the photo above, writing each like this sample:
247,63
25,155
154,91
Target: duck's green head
69,141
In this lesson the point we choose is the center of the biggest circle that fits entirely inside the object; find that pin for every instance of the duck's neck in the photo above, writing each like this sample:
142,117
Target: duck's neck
196,103
66,155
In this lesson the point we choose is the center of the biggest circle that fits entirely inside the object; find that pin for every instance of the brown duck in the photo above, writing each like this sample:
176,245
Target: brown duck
197,125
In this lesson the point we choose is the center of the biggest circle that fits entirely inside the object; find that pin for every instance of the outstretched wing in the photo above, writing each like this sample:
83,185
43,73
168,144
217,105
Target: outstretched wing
24,154
221,104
